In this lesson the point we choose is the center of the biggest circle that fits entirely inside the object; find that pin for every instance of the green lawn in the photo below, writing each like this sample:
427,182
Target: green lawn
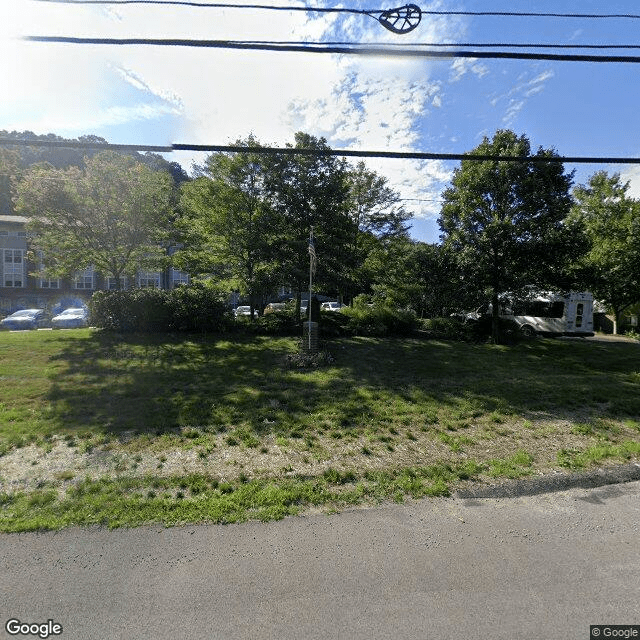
120,430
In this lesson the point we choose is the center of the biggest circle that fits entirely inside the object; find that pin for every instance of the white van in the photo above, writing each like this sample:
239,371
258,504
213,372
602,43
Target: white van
569,314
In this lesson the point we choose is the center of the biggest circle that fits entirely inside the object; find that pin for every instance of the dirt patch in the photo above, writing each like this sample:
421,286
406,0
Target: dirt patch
29,467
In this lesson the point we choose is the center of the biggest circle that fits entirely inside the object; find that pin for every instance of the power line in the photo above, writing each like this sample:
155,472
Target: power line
361,50
218,5
399,20
507,45
423,45
290,151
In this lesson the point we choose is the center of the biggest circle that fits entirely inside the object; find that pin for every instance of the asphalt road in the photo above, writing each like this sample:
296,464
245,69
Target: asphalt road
543,567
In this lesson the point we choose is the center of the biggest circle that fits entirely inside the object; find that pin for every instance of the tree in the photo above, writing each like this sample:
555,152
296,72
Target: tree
389,268
227,223
505,221
377,214
112,214
443,289
611,223
374,207
310,190
10,172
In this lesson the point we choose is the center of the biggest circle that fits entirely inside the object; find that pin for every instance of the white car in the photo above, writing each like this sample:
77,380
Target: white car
245,310
26,319
331,306
71,318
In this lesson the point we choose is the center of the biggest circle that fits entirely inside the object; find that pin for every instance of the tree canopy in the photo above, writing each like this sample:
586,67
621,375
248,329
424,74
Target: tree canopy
247,218
610,220
227,224
112,214
505,221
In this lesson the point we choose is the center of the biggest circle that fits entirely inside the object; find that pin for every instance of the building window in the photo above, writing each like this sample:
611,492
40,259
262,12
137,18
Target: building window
48,283
149,280
178,278
13,268
111,283
84,279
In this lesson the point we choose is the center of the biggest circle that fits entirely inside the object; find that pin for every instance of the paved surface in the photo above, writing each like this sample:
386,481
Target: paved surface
542,566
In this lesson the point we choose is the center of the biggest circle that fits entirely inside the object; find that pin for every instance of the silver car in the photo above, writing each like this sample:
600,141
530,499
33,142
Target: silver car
26,319
71,318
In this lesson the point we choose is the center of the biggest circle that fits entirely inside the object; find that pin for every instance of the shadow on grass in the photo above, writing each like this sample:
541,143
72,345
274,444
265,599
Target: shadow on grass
164,383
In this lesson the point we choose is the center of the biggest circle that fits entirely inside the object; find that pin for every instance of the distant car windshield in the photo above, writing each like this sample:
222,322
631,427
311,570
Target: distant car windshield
24,312
72,312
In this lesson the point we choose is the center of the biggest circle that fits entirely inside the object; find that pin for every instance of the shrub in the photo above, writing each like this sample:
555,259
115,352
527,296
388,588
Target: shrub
198,308
133,310
282,323
333,325
448,329
471,331
190,308
379,320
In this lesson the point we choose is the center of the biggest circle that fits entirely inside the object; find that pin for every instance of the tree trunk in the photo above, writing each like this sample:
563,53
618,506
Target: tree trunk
616,320
495,319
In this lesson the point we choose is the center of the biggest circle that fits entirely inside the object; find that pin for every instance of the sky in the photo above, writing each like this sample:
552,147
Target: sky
151,95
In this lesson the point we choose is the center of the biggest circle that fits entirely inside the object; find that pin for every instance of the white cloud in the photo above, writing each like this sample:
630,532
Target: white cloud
216,96
632,176
518,95
461,66
513,109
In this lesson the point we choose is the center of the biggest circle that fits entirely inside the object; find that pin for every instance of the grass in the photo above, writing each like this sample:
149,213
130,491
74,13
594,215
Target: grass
163,428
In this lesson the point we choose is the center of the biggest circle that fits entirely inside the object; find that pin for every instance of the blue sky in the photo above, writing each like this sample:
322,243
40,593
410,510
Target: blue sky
163,95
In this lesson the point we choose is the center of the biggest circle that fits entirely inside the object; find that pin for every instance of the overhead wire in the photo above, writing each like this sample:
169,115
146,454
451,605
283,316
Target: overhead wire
482,45
371,49
290,151
344,50
220,5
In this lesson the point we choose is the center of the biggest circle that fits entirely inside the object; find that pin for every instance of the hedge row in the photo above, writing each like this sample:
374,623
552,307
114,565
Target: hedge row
197,308
191,308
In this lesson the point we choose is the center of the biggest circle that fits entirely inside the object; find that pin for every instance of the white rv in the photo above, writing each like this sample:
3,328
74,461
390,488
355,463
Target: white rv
569,314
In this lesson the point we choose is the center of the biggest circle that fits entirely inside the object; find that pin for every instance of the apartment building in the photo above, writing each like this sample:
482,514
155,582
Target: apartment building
20,290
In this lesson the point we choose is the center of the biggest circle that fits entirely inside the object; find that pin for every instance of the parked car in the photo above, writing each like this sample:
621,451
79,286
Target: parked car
245,311
26,319
71,318
274,307
331,306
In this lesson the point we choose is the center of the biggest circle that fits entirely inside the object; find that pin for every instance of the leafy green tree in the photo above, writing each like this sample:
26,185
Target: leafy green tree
377,213
10,172
311,190
112,214
505,221
374,207
227,224
387,269
442,286
404,273
611,222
